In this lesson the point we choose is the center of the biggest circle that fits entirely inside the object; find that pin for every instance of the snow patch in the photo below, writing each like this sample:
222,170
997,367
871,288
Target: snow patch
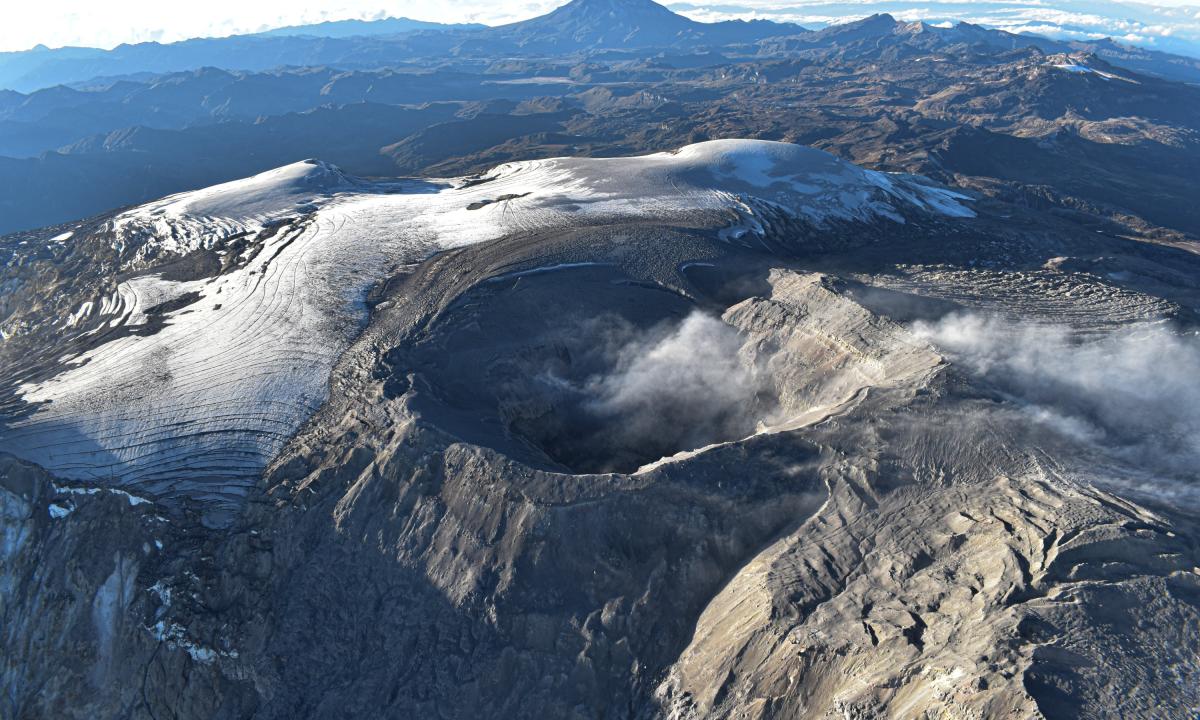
1079,69
175,637
162,591
134,500
84,310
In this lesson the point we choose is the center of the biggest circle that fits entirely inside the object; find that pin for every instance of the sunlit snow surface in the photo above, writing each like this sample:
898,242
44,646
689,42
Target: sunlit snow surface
1077,69
198,408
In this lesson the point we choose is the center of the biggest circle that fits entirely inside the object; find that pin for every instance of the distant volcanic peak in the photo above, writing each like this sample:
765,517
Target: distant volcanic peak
582,20
590,24
616,8
882,22
879,19
868,27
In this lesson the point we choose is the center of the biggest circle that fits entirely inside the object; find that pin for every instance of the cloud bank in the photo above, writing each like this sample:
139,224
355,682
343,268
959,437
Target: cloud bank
685,385
1132,392
645,393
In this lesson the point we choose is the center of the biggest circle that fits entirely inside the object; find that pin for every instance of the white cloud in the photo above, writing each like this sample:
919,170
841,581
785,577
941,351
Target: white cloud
1131,391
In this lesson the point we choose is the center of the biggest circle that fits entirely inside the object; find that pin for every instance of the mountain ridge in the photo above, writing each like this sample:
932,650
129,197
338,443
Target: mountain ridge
574,27
363,28
579,26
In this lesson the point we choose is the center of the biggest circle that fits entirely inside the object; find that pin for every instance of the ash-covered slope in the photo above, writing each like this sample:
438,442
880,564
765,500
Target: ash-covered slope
740,430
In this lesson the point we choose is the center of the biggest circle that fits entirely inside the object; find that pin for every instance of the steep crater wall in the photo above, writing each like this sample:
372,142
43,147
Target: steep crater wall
585,370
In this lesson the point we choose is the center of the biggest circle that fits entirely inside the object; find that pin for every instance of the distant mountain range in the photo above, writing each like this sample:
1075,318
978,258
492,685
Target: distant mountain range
581,25
593,77
42,68
363,28
1170,27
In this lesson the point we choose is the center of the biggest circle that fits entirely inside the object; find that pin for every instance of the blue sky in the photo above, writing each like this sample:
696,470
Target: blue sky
1163,24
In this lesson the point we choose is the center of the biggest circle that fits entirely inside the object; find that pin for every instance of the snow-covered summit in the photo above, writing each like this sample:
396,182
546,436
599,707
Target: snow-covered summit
188,388
1085,65
262,195
803,181
719,175
808,181
582,24
189,221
